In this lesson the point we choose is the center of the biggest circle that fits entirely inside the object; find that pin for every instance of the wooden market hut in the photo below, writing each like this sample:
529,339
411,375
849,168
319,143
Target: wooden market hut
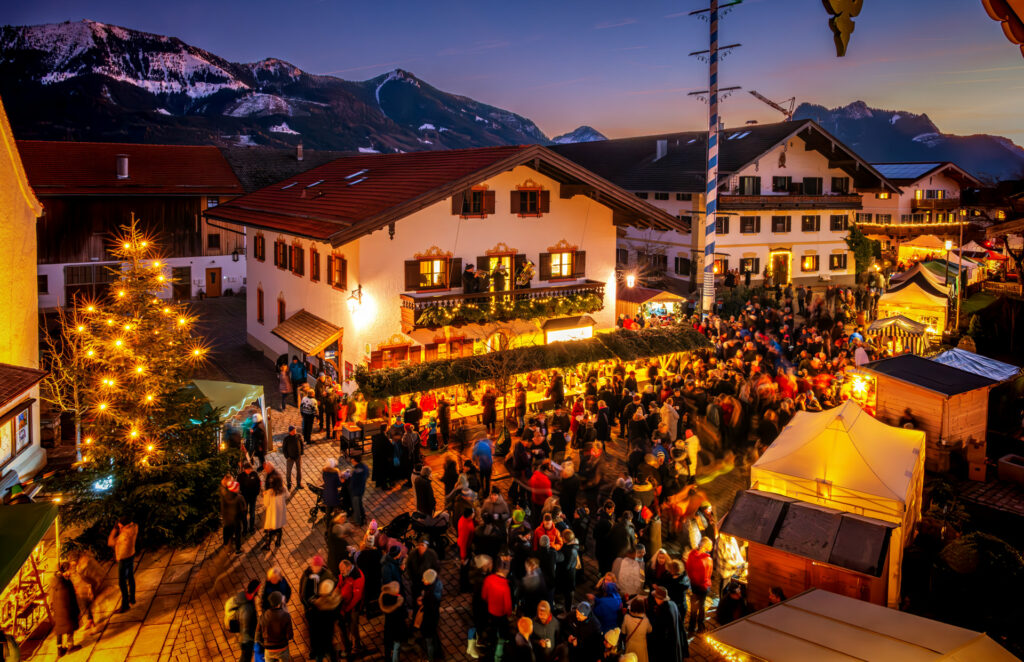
899,334
28,553
845,460
949,404
797,545
918,295
820,626
628,300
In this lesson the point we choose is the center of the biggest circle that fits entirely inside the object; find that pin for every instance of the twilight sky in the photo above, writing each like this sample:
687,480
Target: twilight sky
620,67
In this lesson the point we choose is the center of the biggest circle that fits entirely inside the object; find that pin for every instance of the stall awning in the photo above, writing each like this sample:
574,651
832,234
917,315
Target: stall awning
562,323
899,325
22,526
826,535
15,380
820,626
977,364
230,397
307,332
641,295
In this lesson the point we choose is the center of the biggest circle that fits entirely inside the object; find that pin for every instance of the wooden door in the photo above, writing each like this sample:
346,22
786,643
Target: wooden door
213,282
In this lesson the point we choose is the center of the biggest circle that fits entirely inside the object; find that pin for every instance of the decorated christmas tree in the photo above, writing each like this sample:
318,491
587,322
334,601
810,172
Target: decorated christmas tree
149,444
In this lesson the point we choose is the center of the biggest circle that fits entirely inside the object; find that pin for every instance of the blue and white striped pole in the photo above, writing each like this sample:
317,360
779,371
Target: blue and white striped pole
711,201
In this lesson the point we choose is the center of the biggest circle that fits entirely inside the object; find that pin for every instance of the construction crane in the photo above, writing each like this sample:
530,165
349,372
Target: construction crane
788,112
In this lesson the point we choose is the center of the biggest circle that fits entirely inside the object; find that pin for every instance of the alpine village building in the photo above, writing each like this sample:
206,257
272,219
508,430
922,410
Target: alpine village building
788,193
362,261
21,452
89,191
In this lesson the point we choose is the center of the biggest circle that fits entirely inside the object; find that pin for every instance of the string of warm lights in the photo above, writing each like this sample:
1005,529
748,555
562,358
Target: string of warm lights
726,652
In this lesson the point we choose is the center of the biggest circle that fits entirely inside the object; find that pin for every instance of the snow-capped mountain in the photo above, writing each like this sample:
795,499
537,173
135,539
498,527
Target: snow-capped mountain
896,135
582,134
92,81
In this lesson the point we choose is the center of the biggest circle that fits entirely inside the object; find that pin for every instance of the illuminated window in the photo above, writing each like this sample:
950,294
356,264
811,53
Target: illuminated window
337,272
837,261
809,263
1001,215
721,266
919,194
561,265
883,219
838,222
750,265
810,223
882,196
935,194
433,274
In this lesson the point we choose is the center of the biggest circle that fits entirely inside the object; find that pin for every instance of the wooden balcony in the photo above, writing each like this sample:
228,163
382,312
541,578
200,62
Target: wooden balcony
731,202
940,204
496,306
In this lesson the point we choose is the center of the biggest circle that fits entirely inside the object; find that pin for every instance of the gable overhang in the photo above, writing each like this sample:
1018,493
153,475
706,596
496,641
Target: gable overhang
955,172
865,177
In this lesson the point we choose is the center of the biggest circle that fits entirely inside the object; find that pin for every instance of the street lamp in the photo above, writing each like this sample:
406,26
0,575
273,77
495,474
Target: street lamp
630,280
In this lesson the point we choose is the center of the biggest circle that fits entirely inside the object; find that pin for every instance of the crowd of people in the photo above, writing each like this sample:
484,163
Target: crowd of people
612,474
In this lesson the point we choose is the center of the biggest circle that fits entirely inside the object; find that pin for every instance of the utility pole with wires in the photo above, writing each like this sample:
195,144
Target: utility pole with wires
707,300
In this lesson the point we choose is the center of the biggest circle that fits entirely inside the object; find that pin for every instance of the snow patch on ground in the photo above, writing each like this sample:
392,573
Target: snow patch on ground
368,150
894,118
242,141
163,111
256,104
427,126
925,137
283,128
477,118
443,129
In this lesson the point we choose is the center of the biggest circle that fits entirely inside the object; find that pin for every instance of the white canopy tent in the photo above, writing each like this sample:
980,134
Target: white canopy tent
820,626
844,459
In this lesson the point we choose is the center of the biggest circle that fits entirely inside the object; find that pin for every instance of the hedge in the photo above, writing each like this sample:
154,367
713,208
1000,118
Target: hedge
622,345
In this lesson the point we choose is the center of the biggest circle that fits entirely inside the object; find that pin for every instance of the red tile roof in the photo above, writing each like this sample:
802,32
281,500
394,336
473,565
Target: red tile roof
15,380
83,168
351,196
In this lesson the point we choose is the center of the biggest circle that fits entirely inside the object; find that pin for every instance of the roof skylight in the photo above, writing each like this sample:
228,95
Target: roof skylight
357,173
288,185
316,183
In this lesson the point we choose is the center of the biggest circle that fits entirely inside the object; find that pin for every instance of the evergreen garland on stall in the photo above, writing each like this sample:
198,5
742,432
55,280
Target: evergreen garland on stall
619,345
149,442
435,317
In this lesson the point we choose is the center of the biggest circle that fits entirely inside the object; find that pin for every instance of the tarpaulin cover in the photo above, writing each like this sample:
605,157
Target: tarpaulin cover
978,364
22,526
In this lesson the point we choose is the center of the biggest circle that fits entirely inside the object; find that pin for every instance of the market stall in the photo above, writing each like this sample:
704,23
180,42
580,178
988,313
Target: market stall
237,402
633,300
846,460
28,556
899,334
821,626
921,248
917,295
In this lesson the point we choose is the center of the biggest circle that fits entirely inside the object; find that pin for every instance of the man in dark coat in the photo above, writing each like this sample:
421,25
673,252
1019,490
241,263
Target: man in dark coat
586,643
469,279
602,530
667,635
431,591
426,503
64,608
382,453
232,515
291,448
249,487
444,420
357,488
421,558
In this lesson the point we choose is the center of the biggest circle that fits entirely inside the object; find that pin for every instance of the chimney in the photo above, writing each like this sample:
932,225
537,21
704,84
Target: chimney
122,166
662,150
298,151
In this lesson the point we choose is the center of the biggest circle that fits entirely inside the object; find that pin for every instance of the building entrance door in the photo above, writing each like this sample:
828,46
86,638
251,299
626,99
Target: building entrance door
213,282
780,268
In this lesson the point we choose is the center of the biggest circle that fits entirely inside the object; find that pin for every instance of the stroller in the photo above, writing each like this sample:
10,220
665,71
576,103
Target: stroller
435,527
318,507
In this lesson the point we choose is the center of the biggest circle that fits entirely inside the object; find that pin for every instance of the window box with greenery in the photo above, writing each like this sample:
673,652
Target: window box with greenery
750,224
477,202
530,201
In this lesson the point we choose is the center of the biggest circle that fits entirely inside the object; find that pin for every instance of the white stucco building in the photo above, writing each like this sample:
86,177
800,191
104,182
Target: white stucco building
361,260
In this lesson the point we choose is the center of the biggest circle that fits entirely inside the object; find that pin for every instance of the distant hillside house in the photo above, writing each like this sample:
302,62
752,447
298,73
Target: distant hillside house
787,195
90,190
361,260
930,201
21,454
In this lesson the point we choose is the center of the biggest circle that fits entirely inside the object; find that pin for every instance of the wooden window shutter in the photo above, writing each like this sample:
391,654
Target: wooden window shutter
330,270
431,351
757,265
488,202
458,199
518,260
376,360
343,272
515,201
757,224
454,272
544,202
412,275
544,266
789,223
482,262
579,264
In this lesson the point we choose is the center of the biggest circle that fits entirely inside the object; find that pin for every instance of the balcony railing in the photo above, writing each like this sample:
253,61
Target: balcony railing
732,202
937,204
483,307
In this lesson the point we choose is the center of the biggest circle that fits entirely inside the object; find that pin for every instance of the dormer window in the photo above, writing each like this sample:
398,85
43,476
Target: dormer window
477,202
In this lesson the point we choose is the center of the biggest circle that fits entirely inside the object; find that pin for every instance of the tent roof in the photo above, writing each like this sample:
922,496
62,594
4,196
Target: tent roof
926,242
642,295
22,526
932,375
229,396
915,273
848,448
897,323
977,364
974,247
820,626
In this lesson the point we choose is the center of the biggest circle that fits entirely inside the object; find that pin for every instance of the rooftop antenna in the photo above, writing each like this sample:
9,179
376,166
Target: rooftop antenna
707,300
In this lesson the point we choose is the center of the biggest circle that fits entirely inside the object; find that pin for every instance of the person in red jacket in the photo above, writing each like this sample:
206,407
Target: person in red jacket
466,528
498,596
540,485
699,567
351,585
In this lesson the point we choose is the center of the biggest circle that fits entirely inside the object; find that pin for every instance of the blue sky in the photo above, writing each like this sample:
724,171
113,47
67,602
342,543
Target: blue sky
620,67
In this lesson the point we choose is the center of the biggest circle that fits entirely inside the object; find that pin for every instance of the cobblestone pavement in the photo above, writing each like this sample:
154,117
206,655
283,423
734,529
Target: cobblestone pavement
181,593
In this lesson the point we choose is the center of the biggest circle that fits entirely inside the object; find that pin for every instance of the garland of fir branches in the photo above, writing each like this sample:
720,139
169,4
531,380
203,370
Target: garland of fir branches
436,317
620,345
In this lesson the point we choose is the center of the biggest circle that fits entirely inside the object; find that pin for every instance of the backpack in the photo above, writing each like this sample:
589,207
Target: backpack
231,621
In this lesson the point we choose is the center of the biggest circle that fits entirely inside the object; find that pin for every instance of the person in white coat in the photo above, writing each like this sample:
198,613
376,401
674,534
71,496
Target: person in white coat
670,417
275,505
635,627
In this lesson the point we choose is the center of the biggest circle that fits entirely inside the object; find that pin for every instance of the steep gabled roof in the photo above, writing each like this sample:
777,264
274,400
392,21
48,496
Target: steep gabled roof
905,173
84,168
632,164
355,195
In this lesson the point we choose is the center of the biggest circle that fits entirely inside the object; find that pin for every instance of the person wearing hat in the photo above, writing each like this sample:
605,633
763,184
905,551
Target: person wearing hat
546,635
322,616
291,448
241,609
309,584
668,637
522,644
430,603
585,639
392,605
421,558
426,503
611,645
275,630
232,515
